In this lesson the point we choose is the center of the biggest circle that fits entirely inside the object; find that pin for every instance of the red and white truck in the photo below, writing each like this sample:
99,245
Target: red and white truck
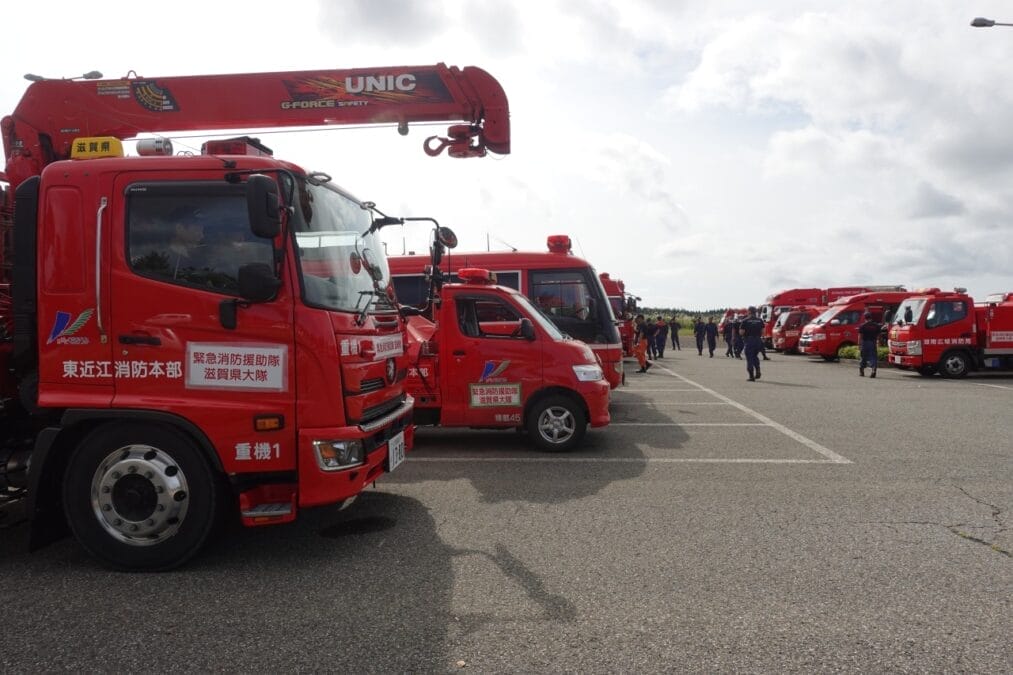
196,335
837,327
945,332
565,287
483,356
788,326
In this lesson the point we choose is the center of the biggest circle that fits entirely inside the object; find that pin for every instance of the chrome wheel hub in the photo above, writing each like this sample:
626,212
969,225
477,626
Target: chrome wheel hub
139,495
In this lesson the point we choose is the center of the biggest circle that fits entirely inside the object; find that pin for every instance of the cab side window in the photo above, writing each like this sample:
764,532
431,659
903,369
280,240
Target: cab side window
487,317
945,312
199,241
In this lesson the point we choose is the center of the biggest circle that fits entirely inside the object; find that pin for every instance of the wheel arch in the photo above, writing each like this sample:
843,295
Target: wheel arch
554,391
54,446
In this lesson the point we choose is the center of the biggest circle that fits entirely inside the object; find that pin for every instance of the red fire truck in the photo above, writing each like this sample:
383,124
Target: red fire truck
624,308
945,332
837,327
482,356
563,286
201,334
788,326
782,301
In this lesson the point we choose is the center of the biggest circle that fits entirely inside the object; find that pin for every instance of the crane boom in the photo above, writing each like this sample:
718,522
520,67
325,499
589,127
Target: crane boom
52,113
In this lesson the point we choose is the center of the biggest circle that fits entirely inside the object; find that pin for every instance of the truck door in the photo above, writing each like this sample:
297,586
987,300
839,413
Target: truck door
174,265
489,370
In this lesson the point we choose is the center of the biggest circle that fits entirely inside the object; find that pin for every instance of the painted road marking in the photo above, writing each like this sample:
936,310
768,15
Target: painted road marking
687,424
669,405
811,444
615,460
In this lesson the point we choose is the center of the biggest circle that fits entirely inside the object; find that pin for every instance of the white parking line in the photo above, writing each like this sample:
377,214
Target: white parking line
811,444
996,386
630,390
687,424
669,405
615,460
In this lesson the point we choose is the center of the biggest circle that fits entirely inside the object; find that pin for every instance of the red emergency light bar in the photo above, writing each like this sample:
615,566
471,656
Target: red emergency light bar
476,275
559,243
244,145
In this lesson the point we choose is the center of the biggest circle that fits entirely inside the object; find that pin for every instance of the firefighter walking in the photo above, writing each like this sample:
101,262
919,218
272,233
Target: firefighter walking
869,337
751,330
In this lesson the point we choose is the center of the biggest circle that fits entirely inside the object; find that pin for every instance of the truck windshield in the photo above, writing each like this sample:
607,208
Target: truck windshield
539,317
910,311
825,317
334,257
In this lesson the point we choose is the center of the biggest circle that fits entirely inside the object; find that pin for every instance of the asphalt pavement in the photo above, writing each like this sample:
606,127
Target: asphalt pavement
811,521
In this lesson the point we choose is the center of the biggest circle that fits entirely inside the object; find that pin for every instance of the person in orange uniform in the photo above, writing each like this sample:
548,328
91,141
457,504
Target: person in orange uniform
640,341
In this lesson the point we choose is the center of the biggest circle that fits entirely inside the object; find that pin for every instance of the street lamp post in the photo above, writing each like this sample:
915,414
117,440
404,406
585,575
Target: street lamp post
981,22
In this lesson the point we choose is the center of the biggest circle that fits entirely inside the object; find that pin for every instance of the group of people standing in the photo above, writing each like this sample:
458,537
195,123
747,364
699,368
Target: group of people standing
741,336
651,337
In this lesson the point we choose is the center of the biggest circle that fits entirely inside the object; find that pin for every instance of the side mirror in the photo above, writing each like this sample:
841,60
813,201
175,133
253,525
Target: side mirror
446,236
835,322
257,282
527,329
369,263
263,206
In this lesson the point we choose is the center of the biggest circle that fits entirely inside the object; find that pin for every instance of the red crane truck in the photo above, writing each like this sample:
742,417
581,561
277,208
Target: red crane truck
788,326
565,287
624,308
483,356
945,332
196,335
837,327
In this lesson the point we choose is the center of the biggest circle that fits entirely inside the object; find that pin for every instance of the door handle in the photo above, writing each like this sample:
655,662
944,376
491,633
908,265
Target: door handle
140,340
458,352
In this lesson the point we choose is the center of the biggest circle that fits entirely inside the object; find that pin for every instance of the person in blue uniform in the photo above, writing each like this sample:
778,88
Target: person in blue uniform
868,334
712,335
699,332
751,329
674,326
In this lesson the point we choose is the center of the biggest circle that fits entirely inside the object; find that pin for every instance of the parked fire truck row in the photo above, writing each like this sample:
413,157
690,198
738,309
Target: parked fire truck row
186,335
930,330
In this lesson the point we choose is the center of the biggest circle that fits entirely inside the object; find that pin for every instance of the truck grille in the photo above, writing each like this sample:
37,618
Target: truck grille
371,385
380,410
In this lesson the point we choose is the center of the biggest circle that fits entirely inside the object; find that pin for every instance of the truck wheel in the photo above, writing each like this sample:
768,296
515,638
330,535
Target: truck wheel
140,498
954,365
556,423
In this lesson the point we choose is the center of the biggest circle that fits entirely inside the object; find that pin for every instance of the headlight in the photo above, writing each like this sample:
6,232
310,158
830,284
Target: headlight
338,455
588,373
914,348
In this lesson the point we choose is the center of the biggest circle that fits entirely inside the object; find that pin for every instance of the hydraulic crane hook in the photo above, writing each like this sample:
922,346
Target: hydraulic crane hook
459,144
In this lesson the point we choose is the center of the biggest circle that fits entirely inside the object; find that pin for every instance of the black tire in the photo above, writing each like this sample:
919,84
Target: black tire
556,423
954,365
139,497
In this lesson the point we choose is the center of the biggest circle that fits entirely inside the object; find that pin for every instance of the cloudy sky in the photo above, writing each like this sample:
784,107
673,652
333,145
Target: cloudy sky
707,153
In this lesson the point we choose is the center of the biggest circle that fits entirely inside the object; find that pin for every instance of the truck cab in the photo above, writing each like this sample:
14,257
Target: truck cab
788,326
837,327
946,332
490,359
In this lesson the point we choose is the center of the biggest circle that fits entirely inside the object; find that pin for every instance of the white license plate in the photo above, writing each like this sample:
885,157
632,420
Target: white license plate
395,451
895,358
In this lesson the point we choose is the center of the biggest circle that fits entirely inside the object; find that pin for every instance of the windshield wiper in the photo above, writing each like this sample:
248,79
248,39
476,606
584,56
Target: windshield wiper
361,316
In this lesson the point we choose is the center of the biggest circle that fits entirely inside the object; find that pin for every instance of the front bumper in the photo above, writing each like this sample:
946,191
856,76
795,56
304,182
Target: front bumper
318,487
596,397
